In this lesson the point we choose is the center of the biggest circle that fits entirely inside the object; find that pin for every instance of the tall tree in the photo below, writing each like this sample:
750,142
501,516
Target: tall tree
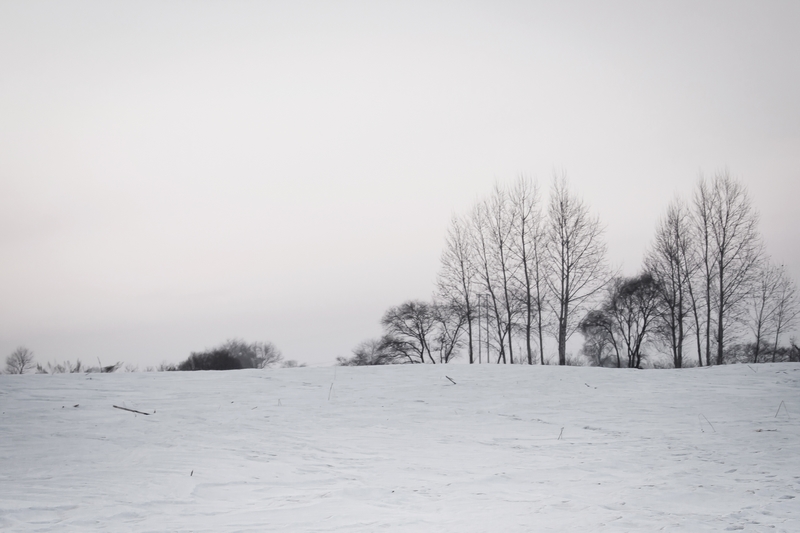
576,253
487,276
736,251
786,310
501,217
671,262
633,308
701,299
450,320
456,280
761,306
529,244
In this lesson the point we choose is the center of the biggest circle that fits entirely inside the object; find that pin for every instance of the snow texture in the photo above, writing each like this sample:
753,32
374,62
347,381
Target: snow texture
505,449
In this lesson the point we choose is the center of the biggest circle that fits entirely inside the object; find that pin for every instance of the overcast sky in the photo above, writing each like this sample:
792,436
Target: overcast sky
173,174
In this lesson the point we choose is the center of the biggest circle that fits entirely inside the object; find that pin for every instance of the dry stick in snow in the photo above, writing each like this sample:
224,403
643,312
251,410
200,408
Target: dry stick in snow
451,379
709,423
131,410
329,392
784,410
560,434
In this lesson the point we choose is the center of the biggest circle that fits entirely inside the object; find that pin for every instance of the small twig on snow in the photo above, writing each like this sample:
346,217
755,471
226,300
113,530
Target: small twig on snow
131,410
560,434
709,423
784,409
451,379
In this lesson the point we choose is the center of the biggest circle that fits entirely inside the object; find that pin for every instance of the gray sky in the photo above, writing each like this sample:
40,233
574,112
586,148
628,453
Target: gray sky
175,174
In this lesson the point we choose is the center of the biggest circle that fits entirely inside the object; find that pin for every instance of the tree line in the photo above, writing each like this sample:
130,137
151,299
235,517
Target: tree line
521,274
233,354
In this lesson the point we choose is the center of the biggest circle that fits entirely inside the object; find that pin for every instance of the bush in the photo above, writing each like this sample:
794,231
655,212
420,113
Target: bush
233,355
218,359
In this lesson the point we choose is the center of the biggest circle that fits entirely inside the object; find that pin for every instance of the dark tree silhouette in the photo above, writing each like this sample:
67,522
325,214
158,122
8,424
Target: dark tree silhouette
20,361
577,257
411,325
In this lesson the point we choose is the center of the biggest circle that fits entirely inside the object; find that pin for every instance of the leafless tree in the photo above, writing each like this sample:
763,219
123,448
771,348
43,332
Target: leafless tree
266,354
412,323
501,219
671,261
487,276
702,298
456,280
529,244
450,320
762,303
786,310
20,361
736,251
577,256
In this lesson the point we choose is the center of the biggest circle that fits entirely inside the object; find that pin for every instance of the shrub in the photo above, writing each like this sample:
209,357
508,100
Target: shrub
218,359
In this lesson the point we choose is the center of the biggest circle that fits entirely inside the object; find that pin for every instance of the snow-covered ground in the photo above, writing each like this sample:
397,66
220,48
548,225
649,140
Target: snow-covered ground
505,449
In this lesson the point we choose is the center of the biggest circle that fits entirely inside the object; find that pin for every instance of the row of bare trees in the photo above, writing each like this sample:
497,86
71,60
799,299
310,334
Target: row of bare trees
514,267
521,273
706,277
534,266
717,283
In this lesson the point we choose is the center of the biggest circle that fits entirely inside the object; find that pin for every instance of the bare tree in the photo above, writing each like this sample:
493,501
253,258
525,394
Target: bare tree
762,305
412,324
701,299
450,320
577,256
266,354
487,274
500,217
529,244
736,251
20,361
786,310
456,278
672,263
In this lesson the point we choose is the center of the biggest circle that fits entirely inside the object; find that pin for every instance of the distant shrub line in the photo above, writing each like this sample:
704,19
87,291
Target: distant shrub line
234,354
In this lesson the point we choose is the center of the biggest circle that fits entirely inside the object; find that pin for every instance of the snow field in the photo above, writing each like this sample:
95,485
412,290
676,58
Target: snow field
401,448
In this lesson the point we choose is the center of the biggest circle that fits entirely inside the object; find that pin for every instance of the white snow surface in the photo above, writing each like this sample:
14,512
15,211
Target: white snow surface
402,448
